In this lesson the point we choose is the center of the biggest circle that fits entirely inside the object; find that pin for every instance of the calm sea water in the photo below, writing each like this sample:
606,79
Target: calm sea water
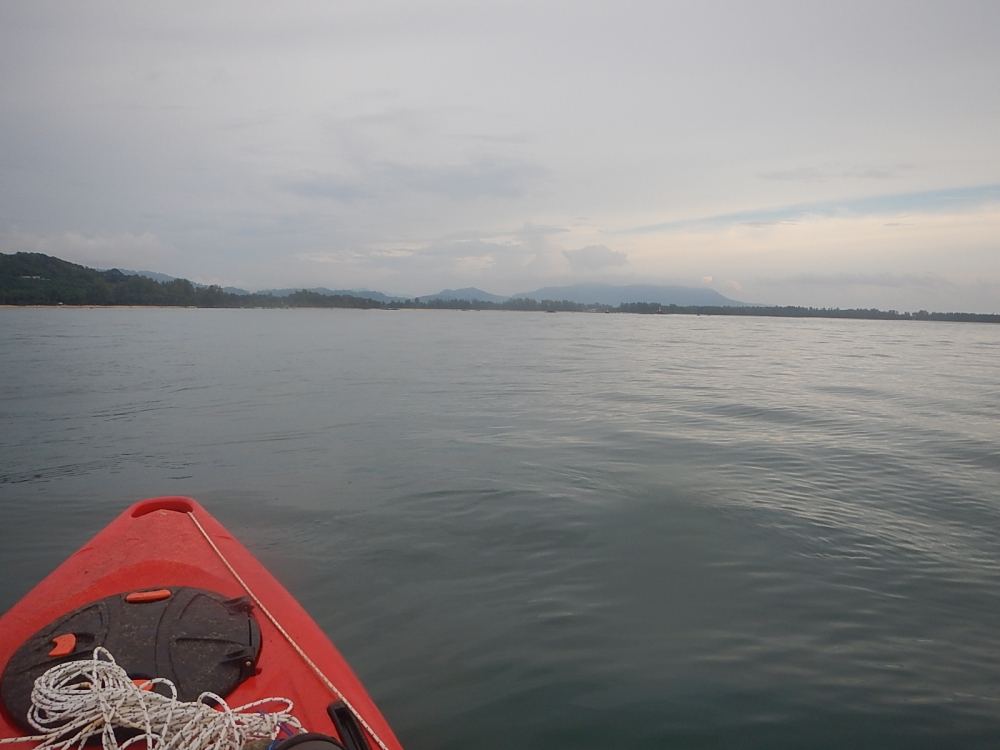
571,531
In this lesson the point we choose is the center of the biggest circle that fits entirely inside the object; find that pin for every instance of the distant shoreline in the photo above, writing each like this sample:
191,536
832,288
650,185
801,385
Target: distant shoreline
38,280
466,306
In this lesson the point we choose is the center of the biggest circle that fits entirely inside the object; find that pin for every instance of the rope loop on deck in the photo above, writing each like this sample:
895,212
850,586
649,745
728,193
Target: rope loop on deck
76,701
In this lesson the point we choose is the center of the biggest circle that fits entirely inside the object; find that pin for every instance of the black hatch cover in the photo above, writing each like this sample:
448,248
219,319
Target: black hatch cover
199,640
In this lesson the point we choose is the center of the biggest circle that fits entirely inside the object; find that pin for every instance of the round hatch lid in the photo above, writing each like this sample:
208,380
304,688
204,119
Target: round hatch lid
199,640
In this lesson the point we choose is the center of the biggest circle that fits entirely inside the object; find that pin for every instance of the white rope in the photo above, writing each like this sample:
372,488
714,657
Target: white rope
298,649
76,701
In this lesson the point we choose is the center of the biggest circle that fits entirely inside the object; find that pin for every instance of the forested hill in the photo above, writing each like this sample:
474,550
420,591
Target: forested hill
37,279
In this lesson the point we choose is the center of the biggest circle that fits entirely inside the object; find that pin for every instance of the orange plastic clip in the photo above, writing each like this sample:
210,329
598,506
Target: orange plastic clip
63,645
138,597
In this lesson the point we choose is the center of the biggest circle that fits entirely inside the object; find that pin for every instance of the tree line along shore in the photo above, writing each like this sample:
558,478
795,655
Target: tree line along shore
37,279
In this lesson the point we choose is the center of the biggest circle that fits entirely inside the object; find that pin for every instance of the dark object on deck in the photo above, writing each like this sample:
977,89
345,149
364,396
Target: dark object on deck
199,640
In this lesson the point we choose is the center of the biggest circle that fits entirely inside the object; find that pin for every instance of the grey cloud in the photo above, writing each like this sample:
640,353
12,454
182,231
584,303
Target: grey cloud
501,138
247,134
595,257
823,174
876,173
461,249
443,255
527,231
482,178
326,186
538,230
467,235
434,255
885,280
766,224
797,174
476,179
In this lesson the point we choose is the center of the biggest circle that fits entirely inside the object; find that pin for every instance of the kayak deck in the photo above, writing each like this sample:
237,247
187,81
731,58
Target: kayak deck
167,542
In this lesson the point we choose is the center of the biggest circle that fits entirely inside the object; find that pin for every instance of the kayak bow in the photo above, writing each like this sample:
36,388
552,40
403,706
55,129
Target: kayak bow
171,593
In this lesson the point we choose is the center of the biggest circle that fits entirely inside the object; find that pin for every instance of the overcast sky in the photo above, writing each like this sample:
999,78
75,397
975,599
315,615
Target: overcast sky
825,153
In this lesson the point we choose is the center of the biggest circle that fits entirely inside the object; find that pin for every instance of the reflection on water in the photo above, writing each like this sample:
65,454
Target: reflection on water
583,531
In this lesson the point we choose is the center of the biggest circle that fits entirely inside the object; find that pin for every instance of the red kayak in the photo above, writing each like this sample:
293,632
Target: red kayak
170,593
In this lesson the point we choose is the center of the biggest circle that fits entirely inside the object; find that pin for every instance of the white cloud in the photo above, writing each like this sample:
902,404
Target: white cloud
595,257
907,261
251,142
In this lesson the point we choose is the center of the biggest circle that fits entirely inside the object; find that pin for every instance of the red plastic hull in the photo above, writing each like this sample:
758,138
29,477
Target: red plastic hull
156,543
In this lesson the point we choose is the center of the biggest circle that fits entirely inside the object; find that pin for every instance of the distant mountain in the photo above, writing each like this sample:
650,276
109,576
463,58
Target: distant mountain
164,278
602,294
362,293
584,294
470,293
37,279
154,275
609,294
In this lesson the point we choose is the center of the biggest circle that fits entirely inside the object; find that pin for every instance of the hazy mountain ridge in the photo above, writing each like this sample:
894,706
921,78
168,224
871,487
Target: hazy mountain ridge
612,294
326,292
471,293
584,294
38,279
164,278
599,294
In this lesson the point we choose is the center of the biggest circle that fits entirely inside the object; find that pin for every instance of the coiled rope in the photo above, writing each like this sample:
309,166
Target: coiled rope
76,701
